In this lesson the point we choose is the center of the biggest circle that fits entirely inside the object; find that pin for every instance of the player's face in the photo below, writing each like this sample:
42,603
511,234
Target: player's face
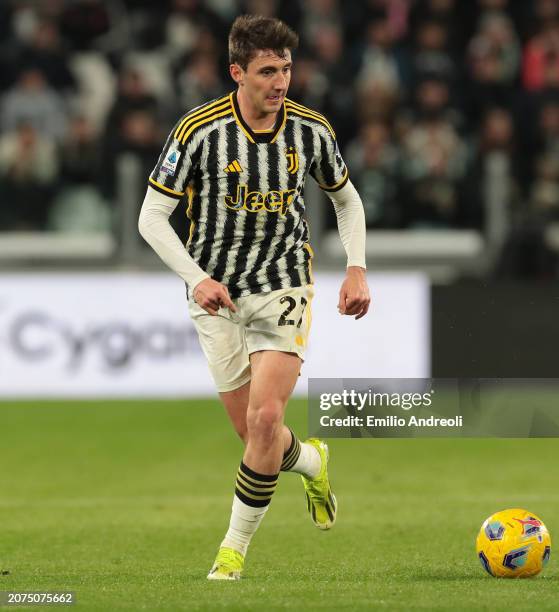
266,80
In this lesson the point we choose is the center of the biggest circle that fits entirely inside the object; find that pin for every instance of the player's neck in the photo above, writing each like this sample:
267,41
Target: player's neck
255,120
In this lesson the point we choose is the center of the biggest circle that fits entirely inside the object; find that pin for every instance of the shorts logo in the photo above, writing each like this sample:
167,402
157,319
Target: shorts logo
255,201
169,166
293,159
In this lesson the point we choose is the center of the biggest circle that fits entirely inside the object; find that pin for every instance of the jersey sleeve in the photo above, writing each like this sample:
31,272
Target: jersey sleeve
328,167
176,164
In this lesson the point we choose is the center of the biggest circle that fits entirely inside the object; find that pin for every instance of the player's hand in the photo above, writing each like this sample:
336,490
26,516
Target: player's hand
354,294
211,296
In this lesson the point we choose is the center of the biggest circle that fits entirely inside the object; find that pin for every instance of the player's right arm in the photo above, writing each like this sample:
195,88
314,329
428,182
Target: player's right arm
155,228
167,185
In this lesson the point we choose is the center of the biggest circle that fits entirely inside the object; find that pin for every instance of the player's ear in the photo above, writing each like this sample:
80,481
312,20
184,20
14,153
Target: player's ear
236,73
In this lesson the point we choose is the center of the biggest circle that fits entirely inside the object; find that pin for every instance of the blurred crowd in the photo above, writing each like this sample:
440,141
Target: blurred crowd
447,111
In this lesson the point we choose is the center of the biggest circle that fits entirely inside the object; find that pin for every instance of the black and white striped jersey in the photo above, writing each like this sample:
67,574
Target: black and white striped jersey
244,191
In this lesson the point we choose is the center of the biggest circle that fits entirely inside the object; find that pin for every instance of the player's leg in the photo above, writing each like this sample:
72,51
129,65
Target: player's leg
236,404
267,333
274,375
298,457
281,321
223,342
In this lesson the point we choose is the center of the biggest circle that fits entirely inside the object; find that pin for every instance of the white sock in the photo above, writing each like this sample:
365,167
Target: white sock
244,522
309,461
301,458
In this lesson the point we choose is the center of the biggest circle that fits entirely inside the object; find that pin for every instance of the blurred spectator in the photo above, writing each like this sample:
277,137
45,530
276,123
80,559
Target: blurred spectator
541,58
491,196
434,159
451,15
25,18
198,75
146,26
84,22
132,96
80,153
187,23
96,87
319,16
380,62
200,81
546,10
31,100
309,86
540,135
375,164
526,254
358,15
548,128
46,53
430,55
544,195
328,48
131,119
78,206
494,56
28,171
397,15
373,103
137,134
496,37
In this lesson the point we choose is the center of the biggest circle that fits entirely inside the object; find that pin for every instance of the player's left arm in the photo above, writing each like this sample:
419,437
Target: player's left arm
355,298
331,174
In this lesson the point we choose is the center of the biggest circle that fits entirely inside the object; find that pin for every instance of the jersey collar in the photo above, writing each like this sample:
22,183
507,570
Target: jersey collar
256,137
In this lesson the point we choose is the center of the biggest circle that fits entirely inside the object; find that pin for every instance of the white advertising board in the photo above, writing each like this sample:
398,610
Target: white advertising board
129,335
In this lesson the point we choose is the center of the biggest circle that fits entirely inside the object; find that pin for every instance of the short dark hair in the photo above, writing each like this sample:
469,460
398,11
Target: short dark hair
252,33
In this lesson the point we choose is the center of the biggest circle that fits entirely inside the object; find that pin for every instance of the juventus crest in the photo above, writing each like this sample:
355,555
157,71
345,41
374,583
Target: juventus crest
293,159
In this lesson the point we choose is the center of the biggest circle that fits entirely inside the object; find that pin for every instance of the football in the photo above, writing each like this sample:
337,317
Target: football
513,544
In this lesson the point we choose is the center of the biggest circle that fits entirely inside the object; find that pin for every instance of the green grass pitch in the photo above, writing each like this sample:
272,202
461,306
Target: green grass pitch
125,503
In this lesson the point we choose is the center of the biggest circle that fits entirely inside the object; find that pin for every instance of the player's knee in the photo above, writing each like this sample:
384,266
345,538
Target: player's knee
265,421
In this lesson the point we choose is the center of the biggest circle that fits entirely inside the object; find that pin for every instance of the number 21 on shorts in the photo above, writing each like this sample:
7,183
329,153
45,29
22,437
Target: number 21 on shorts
291,306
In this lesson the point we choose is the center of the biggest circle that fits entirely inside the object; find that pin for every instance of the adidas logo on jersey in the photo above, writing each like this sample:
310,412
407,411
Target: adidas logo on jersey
233,167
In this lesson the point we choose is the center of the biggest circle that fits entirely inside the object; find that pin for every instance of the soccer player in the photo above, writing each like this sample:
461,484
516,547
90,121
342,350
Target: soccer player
241,161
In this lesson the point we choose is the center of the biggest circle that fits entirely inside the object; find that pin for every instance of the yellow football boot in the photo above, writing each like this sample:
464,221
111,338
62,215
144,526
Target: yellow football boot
228,565
321,502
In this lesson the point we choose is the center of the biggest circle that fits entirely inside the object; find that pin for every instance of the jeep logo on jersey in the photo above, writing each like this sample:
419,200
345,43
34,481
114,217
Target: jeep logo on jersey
293,158
255,201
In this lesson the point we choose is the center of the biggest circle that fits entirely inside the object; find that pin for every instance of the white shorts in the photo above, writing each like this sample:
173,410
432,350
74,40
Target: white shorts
274,321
